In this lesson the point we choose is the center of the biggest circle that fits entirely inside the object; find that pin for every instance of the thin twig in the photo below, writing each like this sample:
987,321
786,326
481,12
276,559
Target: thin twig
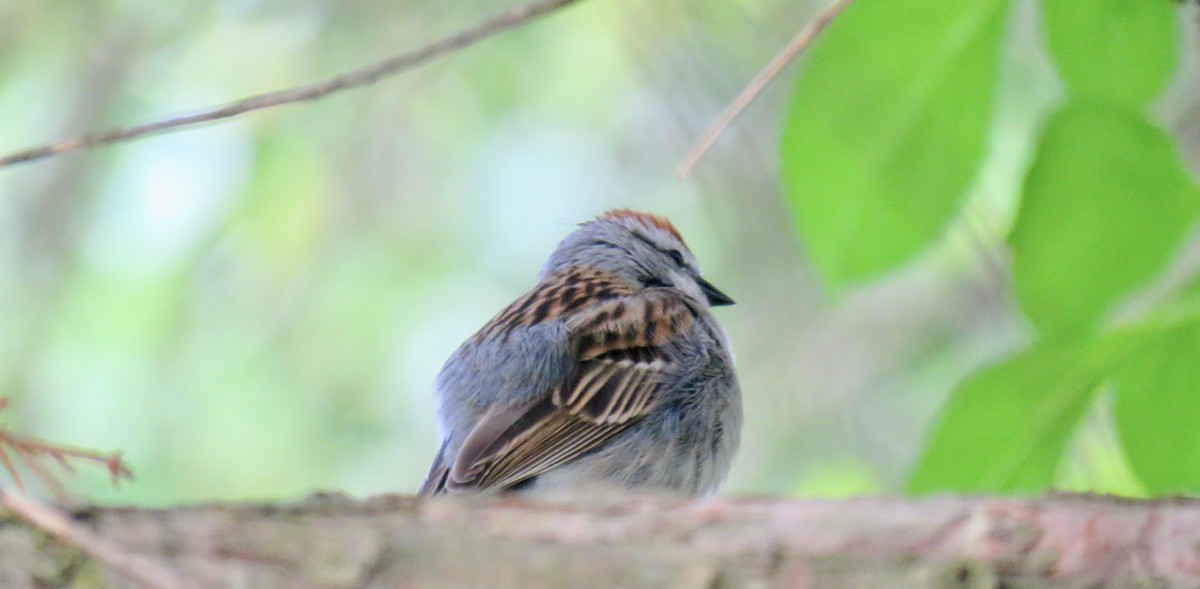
32,452
48,480
7,465
352,79
140,569
795,47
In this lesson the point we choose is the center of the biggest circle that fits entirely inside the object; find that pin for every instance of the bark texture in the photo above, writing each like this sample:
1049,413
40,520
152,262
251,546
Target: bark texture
634,542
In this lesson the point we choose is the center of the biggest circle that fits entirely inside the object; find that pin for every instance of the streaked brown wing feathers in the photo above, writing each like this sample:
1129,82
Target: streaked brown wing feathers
620,343
647,321
558,296
561,437
619,346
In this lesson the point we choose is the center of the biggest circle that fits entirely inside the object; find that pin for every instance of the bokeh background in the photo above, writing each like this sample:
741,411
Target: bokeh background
257,309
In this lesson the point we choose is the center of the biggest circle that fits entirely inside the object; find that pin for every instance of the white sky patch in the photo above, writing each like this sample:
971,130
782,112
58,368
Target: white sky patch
164,196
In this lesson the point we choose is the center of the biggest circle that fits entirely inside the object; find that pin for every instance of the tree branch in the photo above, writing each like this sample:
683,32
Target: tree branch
141,570
353,79
641,542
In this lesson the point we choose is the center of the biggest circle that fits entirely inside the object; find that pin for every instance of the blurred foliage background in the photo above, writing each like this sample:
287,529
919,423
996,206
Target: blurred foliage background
257,309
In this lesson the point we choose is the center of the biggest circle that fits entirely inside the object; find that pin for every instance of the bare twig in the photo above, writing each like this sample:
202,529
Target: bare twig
352,79
142,570
795,47
33,452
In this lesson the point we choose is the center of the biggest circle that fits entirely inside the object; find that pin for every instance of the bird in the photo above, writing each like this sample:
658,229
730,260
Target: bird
611,372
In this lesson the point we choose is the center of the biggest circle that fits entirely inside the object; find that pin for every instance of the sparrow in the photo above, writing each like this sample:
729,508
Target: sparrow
611,372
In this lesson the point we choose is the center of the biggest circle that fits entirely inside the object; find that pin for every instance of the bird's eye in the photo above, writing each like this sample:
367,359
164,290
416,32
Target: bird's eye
653,281
677,256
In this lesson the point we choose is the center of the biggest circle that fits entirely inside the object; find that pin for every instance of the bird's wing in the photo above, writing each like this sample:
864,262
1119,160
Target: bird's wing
435,481
618,342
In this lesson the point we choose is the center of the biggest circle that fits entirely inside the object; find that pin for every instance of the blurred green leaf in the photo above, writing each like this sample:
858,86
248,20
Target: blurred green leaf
837,479
1106,203
285,206
1113,49
1005,429
1157,408
887,128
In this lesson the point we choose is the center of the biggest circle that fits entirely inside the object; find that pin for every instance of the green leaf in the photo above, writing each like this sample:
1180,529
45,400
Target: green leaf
1123,50
887,129
1157,411
1105,204
1006,428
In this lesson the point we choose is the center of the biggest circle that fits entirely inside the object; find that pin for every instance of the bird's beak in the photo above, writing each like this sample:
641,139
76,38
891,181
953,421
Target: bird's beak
715,297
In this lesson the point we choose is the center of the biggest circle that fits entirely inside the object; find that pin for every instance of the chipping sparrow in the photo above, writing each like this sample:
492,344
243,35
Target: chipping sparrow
611,371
